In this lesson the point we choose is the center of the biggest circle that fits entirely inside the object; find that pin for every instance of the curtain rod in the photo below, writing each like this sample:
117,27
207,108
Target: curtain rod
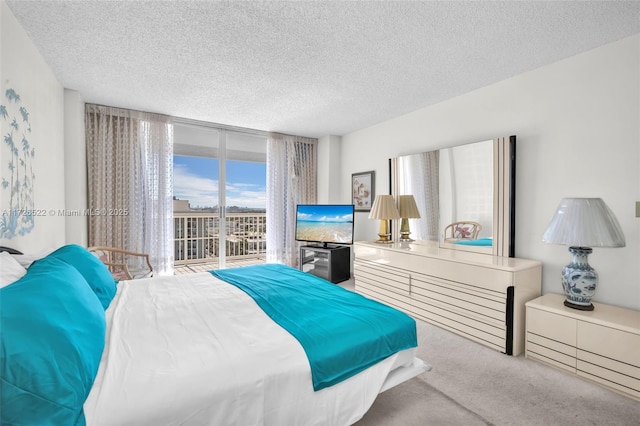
200,123
209,124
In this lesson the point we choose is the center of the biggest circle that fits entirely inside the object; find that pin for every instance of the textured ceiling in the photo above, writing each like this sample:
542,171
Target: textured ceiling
306,68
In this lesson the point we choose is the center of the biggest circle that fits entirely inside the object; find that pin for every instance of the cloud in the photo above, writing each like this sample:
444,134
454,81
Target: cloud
200,191
203,192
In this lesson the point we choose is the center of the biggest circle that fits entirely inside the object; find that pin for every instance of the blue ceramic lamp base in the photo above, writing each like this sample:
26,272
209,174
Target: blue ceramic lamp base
579,280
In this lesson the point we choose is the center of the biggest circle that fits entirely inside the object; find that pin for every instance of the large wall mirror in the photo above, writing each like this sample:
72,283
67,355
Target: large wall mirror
465,195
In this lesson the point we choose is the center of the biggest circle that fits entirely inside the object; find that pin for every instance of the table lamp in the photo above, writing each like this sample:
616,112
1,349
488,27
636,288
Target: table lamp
582,223
408,209
384,209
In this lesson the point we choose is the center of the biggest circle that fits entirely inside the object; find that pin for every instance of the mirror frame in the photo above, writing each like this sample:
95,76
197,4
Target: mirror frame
504,200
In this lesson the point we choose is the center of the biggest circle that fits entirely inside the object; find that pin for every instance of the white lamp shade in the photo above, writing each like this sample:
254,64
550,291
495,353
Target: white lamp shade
384,207
408,207
584,222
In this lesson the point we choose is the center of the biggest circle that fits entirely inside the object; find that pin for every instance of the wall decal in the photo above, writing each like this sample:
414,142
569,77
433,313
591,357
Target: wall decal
18,218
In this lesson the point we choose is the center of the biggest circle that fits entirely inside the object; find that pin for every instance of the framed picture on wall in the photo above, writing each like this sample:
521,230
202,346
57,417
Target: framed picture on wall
362,190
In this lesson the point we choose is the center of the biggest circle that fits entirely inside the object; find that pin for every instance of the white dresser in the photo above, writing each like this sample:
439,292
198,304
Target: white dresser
602,345
478,296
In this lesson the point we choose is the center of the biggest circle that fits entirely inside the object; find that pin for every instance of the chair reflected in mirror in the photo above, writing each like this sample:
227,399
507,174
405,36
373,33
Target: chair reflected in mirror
462,230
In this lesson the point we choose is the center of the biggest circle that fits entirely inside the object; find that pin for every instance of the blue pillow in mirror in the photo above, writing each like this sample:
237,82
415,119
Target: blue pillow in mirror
480,242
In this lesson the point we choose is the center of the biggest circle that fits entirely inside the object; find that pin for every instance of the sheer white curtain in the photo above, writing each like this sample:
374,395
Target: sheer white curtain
421,179
130,168
291,180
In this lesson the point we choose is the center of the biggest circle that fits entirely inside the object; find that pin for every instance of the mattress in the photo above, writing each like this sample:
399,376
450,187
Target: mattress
193,349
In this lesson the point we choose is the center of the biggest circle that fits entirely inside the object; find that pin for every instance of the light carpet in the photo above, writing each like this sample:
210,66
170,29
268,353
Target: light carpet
471,384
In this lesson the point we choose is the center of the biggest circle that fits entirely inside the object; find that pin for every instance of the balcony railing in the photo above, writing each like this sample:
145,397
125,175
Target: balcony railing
197,237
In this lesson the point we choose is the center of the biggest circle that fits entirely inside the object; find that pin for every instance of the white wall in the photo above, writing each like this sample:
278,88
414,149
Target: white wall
75,171
577,123
24,70
329,151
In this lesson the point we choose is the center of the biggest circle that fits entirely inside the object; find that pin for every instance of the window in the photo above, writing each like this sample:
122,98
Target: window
219,196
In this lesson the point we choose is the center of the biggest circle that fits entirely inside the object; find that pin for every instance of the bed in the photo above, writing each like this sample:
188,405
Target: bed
194,349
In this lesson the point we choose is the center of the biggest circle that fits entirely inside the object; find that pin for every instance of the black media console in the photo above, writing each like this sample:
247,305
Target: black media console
331,263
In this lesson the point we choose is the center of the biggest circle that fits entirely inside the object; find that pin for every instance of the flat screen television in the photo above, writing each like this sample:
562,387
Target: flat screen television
325,223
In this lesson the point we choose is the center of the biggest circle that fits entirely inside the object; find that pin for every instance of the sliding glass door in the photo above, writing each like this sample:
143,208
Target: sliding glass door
219,197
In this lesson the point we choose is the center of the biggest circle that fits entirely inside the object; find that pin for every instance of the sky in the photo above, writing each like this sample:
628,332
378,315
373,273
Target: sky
196,179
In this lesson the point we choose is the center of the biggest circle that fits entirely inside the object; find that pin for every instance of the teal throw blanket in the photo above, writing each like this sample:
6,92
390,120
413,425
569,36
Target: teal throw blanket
342,333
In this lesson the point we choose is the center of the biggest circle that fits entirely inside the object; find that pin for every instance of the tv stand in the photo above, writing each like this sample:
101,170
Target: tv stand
331,263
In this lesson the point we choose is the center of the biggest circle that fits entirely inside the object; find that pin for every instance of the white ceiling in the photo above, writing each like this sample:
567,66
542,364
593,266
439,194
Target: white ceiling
307,68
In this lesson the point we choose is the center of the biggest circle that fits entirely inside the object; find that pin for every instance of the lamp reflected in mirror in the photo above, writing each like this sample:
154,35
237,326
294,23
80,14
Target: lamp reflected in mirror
408,210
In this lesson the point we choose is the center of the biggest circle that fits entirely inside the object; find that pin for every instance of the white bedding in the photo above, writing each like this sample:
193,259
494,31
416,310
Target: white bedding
192,349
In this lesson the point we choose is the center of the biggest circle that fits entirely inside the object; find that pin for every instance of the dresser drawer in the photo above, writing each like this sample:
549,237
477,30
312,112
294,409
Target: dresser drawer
474,276
629,372
552,326
476,270
376,291
609,356
613,378
609,342
552,352
382,283
394,279
465,299
490,334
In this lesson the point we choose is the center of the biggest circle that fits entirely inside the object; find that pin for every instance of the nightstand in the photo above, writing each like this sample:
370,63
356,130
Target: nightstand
602,345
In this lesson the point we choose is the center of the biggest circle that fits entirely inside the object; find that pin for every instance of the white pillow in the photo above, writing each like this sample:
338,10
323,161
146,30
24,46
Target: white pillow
27,259
10,270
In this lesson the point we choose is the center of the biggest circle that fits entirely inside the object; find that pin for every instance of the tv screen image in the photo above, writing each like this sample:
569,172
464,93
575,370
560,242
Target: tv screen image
325,223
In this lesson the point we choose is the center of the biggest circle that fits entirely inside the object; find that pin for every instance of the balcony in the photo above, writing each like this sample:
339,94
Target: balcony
197,240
